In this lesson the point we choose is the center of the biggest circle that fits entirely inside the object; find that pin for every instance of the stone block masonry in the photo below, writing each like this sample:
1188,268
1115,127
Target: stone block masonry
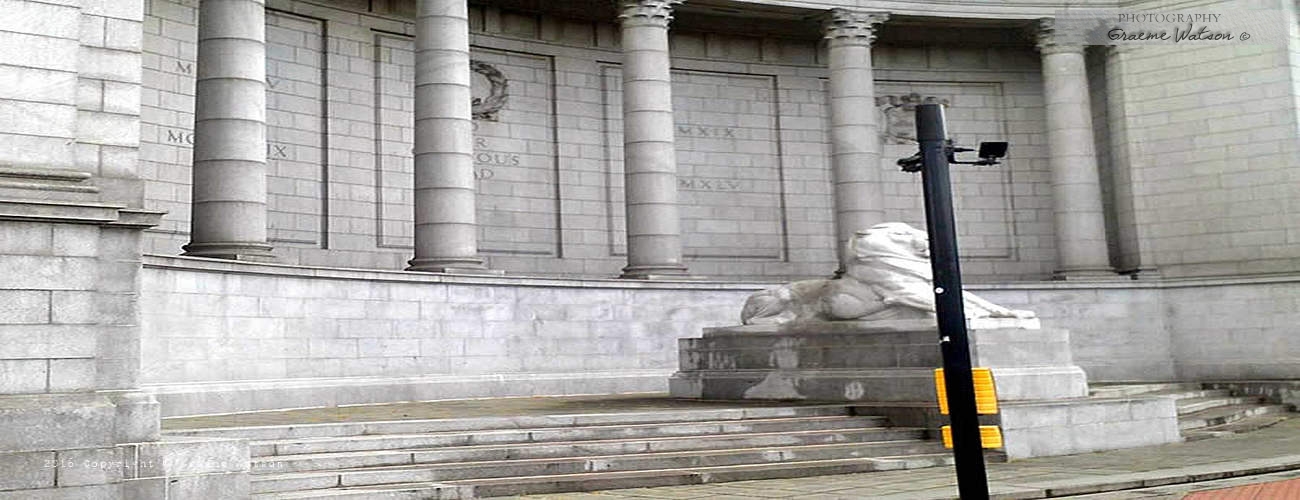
1035,429
1207,145
219,324
259,335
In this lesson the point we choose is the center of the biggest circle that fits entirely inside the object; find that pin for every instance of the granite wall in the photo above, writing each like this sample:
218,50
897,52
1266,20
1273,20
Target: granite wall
1208,150
261,327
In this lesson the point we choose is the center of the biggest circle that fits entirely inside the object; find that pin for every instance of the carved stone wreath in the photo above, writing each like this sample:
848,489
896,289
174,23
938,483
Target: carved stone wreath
897,116
486,108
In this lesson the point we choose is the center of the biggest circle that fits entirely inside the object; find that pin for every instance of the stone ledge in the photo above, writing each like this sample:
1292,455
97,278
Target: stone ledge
867,327
159,261
155,261
239,396
77,213
45,179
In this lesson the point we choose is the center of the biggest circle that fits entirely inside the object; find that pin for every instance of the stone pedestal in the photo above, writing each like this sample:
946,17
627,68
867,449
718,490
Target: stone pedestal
870,361
887,367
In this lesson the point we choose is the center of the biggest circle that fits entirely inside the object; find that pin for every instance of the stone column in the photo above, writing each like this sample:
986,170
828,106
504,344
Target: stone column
654,243
1076,183
855,139
228,218
446,230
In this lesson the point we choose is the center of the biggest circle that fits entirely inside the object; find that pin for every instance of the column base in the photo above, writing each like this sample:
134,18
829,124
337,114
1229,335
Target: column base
247,251
1142,273
470,266
664,272
1090,274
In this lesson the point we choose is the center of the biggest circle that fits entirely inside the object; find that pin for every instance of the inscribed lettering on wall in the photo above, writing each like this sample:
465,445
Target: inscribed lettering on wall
294,120
728,164
514,148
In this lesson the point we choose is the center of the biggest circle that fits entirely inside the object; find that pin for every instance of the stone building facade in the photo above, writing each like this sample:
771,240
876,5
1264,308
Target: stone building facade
224,205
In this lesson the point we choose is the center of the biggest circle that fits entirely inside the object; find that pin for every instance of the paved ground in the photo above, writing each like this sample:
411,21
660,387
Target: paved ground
1167,472
1261,491
1221,489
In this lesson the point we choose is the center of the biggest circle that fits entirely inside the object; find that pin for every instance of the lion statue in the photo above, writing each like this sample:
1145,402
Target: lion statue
887,278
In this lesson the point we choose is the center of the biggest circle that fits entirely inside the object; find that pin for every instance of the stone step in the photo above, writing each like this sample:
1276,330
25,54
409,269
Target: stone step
409,491
1124,390
1247,424
1200,393
344,429
1226,414
517,486
563,449
579,465
1187,406
493,487
552,434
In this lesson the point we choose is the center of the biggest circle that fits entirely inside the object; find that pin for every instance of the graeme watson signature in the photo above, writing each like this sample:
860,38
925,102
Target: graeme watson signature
1192,33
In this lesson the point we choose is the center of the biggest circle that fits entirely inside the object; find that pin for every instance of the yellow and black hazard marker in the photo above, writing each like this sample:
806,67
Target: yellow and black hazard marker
986,403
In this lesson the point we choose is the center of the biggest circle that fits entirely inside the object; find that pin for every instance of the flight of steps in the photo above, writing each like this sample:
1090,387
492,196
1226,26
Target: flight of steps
499,456
1206,413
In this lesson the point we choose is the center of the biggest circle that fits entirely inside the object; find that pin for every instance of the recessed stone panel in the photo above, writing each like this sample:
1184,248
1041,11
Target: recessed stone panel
167,114
728,164
514,148
295,89
294,128
394,137
982,195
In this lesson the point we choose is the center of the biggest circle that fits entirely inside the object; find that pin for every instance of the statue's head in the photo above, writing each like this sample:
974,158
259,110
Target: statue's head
890,239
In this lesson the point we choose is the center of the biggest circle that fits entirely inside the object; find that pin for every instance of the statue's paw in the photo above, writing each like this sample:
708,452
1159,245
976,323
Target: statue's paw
1023,314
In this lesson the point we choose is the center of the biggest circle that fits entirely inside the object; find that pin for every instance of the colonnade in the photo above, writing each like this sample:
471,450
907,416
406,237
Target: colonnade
229,179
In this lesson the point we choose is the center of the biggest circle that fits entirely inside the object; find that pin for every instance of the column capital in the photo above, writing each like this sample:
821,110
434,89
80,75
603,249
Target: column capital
651,12
1048,40
849,25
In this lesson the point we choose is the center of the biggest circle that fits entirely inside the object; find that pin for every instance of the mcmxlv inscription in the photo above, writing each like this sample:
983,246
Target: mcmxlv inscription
705,184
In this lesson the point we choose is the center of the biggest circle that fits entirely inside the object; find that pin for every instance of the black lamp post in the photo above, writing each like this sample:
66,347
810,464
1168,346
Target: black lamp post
932,161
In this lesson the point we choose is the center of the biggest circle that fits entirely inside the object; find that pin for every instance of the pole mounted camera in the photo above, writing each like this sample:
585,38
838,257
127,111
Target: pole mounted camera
989,154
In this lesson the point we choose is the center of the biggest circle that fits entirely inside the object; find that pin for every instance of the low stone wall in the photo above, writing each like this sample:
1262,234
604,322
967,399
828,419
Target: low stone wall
1117,330
1195,329
263,336
1235,329
1067,427
232,336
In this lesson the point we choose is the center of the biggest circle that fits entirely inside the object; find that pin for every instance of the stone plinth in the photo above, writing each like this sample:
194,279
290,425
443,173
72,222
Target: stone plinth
887,369
871,361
